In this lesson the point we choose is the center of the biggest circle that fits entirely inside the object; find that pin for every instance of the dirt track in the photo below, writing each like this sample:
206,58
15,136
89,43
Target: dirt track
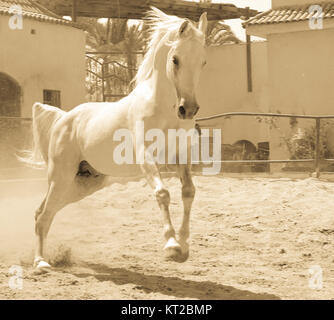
250,239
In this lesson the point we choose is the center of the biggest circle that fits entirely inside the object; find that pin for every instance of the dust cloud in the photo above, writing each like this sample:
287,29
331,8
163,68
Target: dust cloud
19,199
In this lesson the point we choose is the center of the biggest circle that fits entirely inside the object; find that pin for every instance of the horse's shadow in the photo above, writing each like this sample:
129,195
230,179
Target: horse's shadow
172,286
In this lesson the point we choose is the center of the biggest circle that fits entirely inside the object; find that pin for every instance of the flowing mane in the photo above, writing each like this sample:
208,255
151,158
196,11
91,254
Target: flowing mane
159,24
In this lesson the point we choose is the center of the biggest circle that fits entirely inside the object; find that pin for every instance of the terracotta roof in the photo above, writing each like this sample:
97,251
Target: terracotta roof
33,10
293,13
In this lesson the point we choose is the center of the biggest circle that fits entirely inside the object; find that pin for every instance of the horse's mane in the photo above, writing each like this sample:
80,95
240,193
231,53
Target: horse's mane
159,24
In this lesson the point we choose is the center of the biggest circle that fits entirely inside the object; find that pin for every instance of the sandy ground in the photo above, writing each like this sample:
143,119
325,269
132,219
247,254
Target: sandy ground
251,238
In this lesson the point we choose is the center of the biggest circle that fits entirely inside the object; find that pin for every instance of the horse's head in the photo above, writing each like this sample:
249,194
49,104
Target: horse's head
185,60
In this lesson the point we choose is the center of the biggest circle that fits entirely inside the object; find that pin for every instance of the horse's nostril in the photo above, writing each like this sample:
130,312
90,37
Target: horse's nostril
182,111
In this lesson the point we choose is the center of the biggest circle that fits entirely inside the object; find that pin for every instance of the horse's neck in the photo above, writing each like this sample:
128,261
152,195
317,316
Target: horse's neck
164,92
158,95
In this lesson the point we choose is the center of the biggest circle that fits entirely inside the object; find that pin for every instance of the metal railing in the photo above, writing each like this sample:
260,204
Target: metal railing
108,77
317,119
317,159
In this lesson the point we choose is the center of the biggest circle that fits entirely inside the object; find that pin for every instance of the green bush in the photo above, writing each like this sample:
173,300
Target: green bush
303,144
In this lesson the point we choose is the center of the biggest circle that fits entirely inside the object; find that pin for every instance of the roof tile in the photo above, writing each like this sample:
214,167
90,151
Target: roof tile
33,10
288,14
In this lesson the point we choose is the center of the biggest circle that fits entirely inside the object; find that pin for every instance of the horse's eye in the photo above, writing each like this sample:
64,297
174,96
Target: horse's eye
176,61
204,63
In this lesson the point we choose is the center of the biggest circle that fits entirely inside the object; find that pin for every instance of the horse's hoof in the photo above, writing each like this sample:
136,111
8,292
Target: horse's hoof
183,257
172,244
176,255
176,252
172,253
41,265
172,249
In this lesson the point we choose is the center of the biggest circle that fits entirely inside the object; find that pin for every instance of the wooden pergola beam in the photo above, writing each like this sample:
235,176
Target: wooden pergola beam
134,9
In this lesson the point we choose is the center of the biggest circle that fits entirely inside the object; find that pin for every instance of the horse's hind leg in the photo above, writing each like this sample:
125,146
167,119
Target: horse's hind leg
64,188
55,200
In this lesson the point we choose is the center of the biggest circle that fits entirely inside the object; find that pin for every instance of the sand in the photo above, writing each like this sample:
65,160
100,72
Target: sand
251,238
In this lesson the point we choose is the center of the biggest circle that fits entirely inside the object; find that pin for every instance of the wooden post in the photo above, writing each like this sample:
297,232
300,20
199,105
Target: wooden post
249,57
317,148
74,10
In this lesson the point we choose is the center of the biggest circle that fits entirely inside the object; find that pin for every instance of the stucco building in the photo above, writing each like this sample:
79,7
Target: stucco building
42,58
292,72
223,89
300,62
300,56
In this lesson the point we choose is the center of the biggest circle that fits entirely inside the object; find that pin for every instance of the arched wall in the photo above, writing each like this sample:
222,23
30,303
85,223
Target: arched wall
44,56
10,96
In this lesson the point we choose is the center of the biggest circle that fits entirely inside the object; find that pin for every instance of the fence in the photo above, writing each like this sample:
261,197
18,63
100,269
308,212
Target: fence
317,119
109,74
16,135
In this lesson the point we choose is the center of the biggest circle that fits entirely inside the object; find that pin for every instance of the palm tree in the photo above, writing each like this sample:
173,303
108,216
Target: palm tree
100,36
124,40
219,33
134,41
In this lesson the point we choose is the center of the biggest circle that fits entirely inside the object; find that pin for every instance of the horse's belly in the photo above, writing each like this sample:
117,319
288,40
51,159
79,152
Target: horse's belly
106,159
120,170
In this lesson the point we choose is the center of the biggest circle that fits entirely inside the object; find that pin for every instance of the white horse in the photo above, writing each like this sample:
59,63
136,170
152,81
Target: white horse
78,145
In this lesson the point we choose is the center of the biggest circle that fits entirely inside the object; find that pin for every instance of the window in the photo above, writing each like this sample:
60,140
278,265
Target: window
52,97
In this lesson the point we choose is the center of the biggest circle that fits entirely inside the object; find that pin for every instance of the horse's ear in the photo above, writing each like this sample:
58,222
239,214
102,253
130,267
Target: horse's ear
184,28
203,23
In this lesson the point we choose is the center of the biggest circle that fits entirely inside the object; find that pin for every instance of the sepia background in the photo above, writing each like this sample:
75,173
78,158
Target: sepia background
258,228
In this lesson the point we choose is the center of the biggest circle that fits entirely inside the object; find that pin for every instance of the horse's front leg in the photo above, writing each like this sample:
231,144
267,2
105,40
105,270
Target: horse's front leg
188,194
172,247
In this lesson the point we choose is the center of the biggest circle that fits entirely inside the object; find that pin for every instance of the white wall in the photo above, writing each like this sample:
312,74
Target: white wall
53,58
223,88
301,69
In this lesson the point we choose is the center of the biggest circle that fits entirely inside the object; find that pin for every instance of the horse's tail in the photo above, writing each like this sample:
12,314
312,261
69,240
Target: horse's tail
43,119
